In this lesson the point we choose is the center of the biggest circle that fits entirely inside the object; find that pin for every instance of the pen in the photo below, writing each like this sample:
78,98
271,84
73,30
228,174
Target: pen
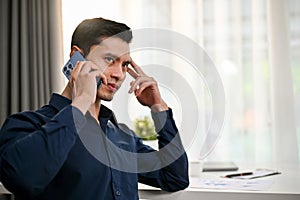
238,174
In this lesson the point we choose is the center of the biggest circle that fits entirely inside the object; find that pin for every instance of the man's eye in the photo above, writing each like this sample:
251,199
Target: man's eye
125,64
109,60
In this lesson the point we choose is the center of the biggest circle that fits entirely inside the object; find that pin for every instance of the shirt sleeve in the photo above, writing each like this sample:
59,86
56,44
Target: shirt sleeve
33,148
170,162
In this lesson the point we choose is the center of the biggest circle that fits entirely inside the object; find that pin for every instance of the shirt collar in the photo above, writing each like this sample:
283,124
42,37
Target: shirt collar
59,102
107,113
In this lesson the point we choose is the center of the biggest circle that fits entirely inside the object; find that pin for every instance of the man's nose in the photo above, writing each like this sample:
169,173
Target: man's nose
117,71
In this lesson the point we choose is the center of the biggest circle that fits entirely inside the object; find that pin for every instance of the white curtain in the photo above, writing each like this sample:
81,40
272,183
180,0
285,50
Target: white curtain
255,45
282,94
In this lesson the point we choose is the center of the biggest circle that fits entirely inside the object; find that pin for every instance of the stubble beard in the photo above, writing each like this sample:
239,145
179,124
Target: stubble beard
105,96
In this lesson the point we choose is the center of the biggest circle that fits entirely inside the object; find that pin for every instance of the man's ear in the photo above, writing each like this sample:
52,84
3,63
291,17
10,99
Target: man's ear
75,48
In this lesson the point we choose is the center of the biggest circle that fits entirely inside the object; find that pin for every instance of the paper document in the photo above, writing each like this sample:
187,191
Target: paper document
230,184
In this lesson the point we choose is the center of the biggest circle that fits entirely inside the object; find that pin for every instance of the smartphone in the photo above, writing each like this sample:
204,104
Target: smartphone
77,56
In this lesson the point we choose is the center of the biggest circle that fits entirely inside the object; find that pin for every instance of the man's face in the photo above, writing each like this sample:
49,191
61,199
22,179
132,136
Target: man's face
112,56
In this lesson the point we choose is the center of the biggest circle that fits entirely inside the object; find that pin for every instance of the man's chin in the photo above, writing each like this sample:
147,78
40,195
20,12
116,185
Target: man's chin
106,98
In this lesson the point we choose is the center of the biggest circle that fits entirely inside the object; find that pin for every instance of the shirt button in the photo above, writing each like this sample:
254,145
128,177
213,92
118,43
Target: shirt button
118,193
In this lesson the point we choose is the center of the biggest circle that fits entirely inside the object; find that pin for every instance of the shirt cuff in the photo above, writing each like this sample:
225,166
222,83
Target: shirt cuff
160,118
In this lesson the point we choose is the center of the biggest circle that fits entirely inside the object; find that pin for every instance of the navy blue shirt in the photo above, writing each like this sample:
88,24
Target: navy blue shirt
58,153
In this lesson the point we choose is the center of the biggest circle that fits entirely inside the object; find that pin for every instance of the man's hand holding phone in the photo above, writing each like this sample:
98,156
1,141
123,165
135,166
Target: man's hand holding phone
83,84
85,78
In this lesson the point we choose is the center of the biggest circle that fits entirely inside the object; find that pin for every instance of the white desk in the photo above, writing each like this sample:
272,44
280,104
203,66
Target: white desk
286,186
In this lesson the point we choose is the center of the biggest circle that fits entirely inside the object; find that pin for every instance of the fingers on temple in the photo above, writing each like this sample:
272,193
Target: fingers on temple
137,68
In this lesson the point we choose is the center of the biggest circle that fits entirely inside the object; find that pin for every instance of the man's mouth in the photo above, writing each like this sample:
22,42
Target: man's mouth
112,87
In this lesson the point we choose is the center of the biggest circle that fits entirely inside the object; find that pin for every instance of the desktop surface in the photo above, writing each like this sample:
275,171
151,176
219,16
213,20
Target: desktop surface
284,186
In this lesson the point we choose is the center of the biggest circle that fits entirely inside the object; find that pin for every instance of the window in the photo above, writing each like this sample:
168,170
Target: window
236,34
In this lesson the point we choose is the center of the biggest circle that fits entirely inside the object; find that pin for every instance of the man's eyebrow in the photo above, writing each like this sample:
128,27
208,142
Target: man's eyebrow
112,55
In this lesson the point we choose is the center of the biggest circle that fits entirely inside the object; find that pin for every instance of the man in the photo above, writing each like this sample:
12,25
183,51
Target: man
73,148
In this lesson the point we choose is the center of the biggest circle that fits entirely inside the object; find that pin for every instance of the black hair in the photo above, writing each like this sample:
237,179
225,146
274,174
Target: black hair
92,31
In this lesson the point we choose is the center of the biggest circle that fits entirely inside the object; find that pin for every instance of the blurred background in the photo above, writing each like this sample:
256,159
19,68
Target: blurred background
254,45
